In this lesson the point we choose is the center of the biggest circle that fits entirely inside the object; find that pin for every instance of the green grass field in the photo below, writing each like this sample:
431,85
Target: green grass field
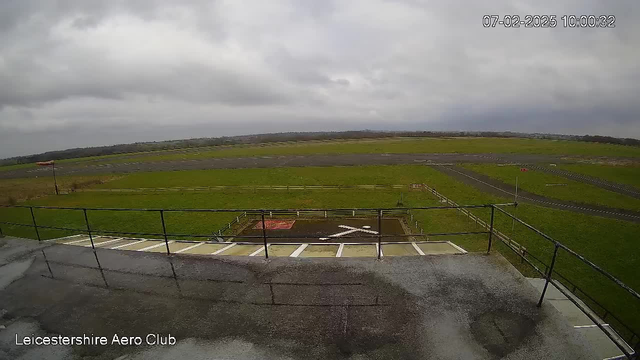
604,241
375,146
536,182
629,175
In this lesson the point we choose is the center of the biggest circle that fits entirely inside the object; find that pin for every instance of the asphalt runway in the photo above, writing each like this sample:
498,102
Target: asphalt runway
499,188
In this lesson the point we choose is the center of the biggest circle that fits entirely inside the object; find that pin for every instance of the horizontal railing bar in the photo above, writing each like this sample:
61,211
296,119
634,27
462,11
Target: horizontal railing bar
582,258
249,210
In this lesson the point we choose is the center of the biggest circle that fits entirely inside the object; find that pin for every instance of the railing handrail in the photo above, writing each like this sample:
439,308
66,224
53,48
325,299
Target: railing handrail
575,254
253,210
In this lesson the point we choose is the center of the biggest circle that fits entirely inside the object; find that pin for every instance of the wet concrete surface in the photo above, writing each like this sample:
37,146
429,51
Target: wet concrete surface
435,307
284,161
499,188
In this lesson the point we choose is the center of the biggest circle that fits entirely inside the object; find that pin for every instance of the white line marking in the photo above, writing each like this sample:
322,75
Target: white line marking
299,250
154,246
261,249
189,248
457,247
588,326
76,241
105,242
339,253
224,249
357,229
125,245
417,248
343,233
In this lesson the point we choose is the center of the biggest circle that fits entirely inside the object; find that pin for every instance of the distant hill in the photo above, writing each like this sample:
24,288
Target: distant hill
292,136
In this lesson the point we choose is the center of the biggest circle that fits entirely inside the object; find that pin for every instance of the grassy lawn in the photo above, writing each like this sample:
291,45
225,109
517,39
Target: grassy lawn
612,244
348,175
535,182
629,175
375,146
421,145
25,189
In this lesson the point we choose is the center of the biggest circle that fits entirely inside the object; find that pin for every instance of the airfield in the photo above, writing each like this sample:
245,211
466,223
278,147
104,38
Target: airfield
584,195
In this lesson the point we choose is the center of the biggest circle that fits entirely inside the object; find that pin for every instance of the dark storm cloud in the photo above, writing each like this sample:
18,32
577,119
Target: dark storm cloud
79,72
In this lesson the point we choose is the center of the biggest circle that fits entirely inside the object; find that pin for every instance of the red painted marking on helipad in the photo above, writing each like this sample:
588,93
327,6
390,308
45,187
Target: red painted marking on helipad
275,224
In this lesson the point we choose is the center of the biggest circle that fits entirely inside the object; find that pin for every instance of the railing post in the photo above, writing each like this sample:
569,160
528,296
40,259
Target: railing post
379,234
549,272
35,226
493,209
264,237
86,220
164,231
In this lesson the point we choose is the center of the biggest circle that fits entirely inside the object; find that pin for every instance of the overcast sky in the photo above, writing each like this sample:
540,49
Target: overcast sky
86,73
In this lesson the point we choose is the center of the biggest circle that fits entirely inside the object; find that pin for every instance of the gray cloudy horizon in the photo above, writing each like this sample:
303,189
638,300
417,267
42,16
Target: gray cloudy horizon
82,73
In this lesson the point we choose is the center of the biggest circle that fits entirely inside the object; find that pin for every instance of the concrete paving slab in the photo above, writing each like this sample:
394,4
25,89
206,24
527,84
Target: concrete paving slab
173,247
603,347
399,250
359,251
437,248
281,250
71,240
96,240
574,315
552,292
140,245
119,243
240,250
205,249
320,251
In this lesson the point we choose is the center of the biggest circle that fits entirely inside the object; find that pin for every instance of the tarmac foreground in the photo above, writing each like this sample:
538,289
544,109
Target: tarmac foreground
469,306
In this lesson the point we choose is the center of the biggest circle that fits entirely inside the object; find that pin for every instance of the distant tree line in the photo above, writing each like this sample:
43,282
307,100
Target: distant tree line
293,136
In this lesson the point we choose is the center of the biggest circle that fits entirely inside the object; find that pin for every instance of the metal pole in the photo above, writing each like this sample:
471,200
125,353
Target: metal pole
515,200
164,231
35,226
379,234
549,272
493,209
55,182
86,220
264,237
47,262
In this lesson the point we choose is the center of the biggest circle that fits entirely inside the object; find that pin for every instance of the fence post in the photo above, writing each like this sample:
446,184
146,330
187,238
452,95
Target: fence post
86,220
379,234
549,272
264,237
35,226
493,209
164,231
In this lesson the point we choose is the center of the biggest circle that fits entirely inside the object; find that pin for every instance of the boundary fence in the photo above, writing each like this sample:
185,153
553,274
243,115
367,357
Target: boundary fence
548,273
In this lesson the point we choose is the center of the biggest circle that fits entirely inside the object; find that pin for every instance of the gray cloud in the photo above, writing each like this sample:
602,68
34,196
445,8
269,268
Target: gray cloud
79,72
